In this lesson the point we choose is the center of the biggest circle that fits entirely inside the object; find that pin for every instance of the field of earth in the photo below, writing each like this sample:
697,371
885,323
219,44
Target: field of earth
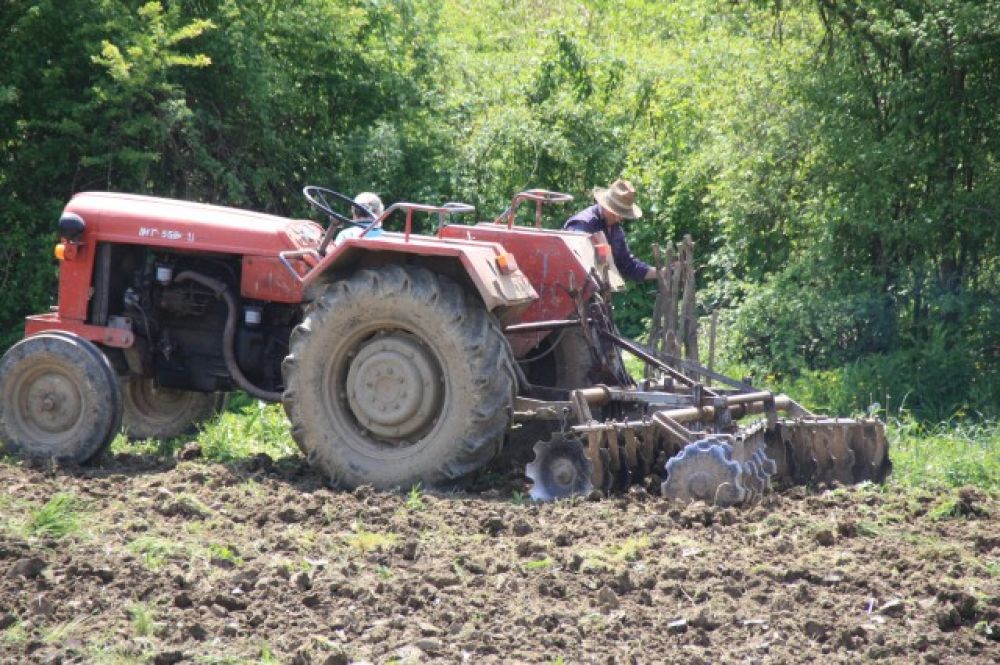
153,559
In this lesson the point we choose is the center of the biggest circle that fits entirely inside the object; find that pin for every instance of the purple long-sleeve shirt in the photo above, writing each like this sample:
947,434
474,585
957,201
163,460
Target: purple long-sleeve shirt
591,221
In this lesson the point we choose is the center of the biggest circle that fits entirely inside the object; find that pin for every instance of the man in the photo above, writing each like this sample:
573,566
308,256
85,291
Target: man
614,204
374,204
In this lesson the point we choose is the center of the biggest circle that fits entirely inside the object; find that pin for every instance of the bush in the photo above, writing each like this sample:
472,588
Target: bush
786,327
932,380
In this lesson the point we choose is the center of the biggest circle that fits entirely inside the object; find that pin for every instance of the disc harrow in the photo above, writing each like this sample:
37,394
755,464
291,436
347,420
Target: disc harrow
690,432
705,445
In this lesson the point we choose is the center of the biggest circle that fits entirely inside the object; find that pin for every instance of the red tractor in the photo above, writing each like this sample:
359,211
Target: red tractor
399,358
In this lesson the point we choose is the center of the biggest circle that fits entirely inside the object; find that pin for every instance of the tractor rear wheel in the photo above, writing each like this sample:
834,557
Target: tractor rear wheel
59,399
153,412
397,376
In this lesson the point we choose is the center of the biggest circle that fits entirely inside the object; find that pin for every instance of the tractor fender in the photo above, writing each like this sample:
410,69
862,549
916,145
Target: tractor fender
485,268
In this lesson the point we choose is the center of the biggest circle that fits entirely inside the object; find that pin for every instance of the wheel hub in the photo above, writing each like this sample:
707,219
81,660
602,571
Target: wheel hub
394,387
563,473
52,402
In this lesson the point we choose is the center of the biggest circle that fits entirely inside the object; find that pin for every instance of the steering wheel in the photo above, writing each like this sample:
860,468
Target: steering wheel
320,197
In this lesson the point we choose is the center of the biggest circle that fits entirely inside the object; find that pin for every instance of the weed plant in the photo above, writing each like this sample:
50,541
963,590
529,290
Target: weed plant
143,620
945,454
247,427
56,519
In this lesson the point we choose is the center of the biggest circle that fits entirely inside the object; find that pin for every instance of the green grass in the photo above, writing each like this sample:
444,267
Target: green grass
58,518
415,498
59,633
154,550
246,428
224,553
634,365
539,564
267,656
629,549
15,634
869,529
369,541
614,556
143,619
945,454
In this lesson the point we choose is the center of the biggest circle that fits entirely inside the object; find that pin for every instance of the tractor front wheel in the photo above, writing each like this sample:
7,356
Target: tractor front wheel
397,376
59,399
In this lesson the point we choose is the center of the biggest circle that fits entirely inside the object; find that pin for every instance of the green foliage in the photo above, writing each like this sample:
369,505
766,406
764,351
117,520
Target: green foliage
895,261
947,454
143,619
365,541
224,553
59,517
539,564
267,656
155,550
415,498
247,427
835,162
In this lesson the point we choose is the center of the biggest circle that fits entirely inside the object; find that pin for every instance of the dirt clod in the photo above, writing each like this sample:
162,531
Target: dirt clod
816,630
41,605
408,550
705,620
969,502
492,525
893,608
607,599
825,537
302,581
169,657
190,451
289,516
197,631
231,603
30,567
430,646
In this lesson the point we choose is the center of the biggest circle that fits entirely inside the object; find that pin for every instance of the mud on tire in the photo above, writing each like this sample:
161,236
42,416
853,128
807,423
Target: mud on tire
397,376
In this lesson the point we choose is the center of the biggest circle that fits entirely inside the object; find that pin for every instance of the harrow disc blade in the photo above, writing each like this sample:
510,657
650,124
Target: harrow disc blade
823,449
705,471
560,469
754,479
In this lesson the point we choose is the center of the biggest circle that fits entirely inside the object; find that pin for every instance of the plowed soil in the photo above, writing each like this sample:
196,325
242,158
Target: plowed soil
196,561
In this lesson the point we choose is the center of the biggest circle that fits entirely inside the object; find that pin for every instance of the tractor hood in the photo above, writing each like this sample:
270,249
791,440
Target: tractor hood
187,226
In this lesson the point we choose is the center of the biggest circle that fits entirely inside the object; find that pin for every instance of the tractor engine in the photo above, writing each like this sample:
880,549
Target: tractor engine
177,310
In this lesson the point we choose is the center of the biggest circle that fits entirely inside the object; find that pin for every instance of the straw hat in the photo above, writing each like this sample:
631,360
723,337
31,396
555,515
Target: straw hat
619,198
